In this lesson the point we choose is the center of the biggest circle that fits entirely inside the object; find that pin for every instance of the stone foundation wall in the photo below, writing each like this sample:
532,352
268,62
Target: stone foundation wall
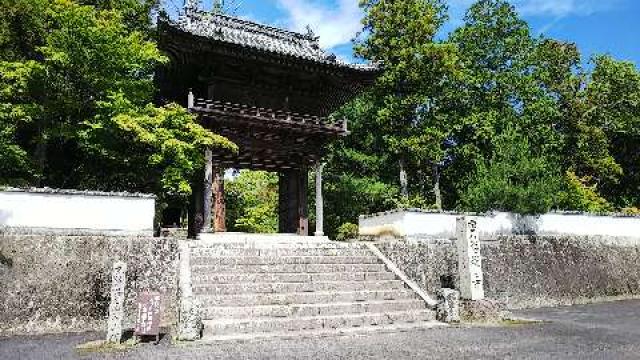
530,271
51,283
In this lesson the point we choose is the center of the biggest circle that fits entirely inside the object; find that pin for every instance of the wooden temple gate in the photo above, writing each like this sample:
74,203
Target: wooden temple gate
271,92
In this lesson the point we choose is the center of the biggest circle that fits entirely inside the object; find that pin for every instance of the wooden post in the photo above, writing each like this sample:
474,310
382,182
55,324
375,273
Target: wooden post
220,210
319,201
292,202
285,203
196,209
303,208
208,192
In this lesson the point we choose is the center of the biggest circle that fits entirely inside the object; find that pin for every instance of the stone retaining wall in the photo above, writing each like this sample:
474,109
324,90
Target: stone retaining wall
530,271
51,283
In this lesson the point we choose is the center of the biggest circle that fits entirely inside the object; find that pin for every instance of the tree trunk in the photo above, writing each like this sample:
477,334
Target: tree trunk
404,182
435,172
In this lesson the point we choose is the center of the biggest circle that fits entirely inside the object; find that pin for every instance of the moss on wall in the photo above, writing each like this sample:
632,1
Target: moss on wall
530,271
61,283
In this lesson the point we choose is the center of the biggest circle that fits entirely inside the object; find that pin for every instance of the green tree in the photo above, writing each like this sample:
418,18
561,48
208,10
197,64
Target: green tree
401,36
612,105
252,202
76,101
498,88
515,179
537,84
357,178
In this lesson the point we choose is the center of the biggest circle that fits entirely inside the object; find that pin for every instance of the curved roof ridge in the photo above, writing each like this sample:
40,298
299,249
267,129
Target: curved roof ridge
260,26
250,34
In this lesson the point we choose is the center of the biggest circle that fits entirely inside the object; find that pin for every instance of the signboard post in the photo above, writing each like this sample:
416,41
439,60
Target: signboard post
148,314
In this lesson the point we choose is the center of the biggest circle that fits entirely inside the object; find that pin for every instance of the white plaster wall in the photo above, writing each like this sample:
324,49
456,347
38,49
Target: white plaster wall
388,221
437,225
64,211
590,225
443,225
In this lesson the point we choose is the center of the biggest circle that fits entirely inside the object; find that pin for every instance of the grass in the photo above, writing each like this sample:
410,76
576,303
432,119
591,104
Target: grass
102,346
519,322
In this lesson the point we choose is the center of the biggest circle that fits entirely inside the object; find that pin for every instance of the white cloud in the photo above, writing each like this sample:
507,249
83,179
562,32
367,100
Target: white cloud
338,21
562,8
336,25
554,8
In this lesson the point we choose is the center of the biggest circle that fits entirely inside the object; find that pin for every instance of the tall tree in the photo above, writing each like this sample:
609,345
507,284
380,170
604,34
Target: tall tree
401,36
75,98
536,84
612,105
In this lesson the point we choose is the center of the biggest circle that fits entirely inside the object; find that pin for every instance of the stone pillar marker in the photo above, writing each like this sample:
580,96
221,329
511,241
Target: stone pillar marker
116,306
471,282
319,201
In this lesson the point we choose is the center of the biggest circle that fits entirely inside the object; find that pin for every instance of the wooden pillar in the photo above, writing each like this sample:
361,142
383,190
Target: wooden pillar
286,203
319,201
303,206
220,210
196,206
208,192
292,202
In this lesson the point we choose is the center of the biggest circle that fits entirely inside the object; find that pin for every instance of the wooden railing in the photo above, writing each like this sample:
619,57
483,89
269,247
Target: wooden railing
292,118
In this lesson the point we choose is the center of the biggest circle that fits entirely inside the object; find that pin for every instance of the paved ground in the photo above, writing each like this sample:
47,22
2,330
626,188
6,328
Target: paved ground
603,331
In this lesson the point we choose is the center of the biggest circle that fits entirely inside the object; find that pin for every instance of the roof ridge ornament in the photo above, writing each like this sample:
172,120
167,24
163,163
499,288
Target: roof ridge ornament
189,11
309,34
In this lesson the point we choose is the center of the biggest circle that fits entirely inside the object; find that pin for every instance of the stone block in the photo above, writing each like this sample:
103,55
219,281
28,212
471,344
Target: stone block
448,309
190,323
484,311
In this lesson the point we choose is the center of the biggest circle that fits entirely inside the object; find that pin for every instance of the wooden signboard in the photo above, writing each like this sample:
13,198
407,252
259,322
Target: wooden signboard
148,314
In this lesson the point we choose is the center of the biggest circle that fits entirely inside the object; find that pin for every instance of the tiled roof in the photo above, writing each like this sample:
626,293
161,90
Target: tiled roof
249,34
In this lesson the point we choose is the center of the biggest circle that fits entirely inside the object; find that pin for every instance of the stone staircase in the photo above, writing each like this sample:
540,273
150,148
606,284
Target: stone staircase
257,286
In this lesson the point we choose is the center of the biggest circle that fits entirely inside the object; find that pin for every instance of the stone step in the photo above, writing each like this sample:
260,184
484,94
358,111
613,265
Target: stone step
304,310
287,287
268,242
389,328
305,297
276,260
228,237
287,268
227,278
217,251
249,325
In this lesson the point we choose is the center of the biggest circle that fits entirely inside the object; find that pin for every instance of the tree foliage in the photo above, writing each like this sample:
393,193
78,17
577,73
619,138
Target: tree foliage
512,121
76,91
252,202
490,117
515,179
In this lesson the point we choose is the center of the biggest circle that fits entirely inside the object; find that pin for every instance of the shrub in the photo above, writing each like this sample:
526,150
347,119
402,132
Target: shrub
347,231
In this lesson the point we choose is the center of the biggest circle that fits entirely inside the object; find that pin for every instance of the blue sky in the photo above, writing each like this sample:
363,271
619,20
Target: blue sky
597,26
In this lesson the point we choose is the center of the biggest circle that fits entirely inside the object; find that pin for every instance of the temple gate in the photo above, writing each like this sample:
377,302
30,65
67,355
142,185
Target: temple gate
270,91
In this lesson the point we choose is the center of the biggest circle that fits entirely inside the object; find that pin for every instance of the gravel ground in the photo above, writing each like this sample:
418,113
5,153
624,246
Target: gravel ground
601,331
